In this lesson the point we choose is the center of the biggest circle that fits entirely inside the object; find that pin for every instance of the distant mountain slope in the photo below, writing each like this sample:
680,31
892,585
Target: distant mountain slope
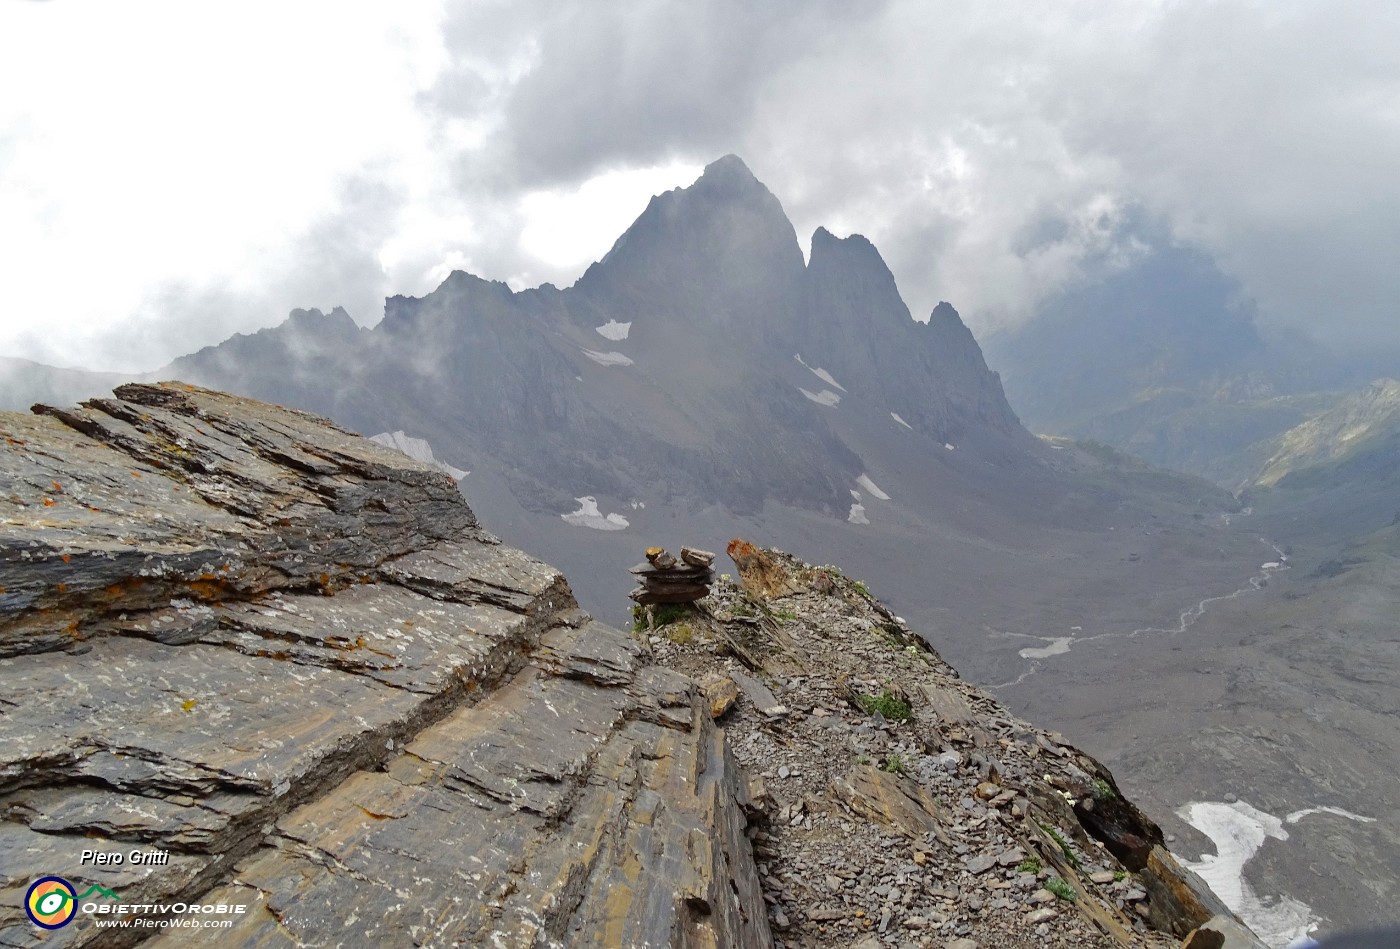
23,383
1161,359
1335,479
1355,427
1163,328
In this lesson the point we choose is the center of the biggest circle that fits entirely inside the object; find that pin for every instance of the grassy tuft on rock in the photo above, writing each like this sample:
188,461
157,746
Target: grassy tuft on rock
891,706
664,615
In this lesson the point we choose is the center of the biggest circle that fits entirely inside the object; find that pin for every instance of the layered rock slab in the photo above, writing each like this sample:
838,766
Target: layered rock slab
288,657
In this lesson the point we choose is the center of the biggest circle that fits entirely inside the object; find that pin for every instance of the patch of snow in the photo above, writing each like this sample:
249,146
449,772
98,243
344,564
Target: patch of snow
418,450
608,359
637,504
856,495
821,374
1308,811
948,445
824,397
1271,565
588,515
865,482
1238,830
1059,645
895,416
614,330
857,515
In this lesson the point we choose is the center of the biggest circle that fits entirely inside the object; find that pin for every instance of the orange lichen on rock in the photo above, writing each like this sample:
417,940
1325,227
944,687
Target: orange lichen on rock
740,548
210,590
760,573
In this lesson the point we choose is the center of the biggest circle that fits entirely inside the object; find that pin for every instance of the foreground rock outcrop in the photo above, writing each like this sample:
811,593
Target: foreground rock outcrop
908,808
288,661
288,658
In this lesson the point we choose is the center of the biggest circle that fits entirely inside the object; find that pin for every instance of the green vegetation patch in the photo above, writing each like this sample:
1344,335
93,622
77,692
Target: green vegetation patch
664,615
740,607
777,613
891,706
1063,844
1061,889
894,764
1029,865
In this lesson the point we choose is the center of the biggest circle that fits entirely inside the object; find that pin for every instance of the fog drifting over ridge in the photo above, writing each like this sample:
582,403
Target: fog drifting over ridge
171,175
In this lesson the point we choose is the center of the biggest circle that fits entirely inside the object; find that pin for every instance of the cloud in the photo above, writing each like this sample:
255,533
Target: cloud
333,262
1265,133
991,151
598,86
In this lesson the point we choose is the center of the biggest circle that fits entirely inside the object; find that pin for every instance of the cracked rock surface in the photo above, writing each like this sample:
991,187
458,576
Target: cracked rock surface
290,658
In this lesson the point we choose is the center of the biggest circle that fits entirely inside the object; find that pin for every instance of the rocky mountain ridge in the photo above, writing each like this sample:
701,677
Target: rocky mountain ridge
289,658
907,807
700,350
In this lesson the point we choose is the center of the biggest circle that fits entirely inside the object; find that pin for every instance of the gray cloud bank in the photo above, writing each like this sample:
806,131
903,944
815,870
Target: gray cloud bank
995,152
989,148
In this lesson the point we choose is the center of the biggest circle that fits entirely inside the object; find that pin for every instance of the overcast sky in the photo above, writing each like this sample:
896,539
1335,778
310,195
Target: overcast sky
173,172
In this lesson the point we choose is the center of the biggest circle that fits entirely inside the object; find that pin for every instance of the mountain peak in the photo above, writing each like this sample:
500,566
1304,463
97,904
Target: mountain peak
726,232
945,315
951,334
728,180
337,321
729,169
854,246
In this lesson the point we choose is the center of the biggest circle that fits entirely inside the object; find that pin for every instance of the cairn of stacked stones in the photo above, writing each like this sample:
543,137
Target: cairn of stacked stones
664,579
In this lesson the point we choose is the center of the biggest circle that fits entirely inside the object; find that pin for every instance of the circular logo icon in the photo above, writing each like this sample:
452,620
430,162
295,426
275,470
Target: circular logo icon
51,902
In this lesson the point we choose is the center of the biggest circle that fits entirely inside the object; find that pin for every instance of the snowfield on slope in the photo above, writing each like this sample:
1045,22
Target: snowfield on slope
588,515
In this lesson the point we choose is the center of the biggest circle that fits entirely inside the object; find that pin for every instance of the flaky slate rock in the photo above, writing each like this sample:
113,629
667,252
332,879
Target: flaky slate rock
892,800
289,657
